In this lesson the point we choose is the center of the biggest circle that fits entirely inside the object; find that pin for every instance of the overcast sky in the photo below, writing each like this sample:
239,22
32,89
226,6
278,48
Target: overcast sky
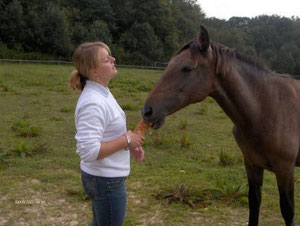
224,9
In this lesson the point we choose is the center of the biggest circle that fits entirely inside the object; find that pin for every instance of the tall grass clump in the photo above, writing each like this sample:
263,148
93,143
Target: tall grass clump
226,159
24,129
185,141
182,194
203,109
228,192
23,149
183,125
4,87
159,138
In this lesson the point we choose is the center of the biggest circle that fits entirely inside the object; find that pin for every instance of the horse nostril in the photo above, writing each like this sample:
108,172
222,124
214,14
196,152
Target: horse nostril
147,112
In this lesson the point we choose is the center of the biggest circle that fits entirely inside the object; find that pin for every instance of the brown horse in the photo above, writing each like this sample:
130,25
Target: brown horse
264,107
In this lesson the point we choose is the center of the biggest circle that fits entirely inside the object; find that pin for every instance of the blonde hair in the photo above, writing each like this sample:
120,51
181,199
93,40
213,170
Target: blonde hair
85,57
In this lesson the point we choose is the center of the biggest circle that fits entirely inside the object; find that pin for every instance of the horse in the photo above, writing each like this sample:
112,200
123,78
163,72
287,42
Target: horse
264,107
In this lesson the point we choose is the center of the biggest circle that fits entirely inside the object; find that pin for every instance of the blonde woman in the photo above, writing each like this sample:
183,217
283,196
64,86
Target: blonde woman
103,142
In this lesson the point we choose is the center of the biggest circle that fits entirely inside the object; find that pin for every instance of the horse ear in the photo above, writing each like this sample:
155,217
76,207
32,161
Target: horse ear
203,39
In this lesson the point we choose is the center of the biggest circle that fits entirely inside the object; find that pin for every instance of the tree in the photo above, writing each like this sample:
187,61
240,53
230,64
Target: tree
188,16
91,10
128,41
100,31
12,24
80,34
55,34
287,59
147,42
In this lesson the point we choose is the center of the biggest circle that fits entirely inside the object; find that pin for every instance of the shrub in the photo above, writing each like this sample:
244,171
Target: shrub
228,192
225,159
182,194
185,141
25,129
23,150
203,109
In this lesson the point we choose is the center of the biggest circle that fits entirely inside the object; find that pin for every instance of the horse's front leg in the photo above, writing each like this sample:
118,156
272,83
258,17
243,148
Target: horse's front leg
255,181
285,182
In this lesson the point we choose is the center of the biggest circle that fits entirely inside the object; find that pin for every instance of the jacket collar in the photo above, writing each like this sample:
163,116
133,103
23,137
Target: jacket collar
104,91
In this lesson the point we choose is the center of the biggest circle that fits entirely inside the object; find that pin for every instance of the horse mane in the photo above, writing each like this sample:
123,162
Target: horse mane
224,56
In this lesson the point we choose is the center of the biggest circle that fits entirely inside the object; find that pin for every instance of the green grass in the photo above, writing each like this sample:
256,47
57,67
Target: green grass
193,172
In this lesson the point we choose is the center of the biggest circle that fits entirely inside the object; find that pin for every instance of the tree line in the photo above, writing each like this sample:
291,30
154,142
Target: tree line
139,32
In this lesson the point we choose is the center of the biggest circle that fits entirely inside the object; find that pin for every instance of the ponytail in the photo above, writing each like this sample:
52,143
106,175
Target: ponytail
77,81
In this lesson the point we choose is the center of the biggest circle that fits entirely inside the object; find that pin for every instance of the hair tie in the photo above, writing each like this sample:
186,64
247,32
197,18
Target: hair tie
83,79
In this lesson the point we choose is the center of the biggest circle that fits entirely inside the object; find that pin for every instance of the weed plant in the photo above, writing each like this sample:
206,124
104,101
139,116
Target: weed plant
25,129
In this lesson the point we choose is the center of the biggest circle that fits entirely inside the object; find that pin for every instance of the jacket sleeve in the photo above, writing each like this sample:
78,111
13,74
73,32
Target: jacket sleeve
91,121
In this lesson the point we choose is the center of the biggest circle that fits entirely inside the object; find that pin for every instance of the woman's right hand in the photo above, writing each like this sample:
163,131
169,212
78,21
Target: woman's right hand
136,140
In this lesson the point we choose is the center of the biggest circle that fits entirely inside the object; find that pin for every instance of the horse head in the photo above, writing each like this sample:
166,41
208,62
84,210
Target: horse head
187,79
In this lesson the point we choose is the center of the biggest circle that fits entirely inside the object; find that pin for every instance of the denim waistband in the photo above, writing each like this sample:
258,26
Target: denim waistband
100,177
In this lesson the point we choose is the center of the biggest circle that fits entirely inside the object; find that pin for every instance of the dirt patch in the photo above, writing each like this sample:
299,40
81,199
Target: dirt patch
44,208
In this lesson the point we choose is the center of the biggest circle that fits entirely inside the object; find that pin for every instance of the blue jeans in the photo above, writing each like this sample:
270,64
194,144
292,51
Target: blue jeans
108,197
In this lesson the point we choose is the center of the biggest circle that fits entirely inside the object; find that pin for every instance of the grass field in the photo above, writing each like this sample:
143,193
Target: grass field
193,171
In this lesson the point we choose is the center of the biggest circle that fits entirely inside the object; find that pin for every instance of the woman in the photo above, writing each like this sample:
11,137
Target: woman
103,142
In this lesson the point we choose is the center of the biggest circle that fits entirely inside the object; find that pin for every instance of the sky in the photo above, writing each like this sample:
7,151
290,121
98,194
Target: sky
224,9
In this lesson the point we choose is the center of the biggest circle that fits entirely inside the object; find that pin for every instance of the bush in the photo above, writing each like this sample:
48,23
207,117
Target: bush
25,129
23,150
203,110
182,194
185,141
228,192
6,53
225,159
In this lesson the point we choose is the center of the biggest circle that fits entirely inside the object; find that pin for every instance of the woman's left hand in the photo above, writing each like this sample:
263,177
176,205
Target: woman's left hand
138,153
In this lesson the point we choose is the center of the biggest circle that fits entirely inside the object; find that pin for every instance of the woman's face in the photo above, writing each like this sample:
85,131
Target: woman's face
106,69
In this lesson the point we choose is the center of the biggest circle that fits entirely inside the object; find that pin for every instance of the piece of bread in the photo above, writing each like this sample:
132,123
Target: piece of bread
142,127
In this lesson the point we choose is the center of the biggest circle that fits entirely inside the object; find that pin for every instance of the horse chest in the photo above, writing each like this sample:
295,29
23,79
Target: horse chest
256,150
257,157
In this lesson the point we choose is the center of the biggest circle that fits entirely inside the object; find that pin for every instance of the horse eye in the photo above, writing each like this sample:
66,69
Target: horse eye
187,69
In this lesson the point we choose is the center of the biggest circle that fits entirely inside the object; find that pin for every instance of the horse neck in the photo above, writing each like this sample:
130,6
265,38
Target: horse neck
237,93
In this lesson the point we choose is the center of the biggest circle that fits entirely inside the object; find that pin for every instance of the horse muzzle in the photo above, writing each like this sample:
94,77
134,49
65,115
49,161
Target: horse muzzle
154,115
